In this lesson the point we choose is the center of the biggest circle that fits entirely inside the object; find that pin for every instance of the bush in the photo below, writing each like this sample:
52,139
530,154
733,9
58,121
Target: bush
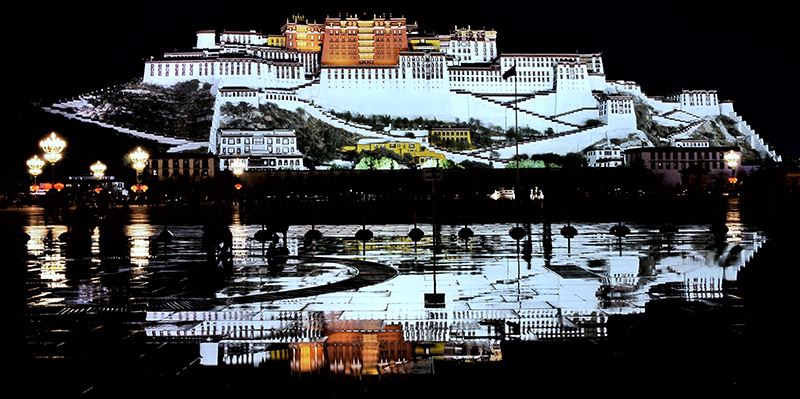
592,123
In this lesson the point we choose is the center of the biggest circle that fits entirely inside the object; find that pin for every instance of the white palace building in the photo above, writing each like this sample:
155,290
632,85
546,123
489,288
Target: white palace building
385,66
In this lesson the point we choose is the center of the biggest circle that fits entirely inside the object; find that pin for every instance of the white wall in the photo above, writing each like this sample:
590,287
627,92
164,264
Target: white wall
206,40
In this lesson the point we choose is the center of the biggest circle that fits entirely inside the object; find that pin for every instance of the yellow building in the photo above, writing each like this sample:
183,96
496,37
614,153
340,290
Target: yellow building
432,43
416,150
450,134
276,41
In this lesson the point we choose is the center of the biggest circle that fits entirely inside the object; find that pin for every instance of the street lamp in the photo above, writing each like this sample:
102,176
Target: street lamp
53,146
35,165
98,169
732,159
238,166
138,159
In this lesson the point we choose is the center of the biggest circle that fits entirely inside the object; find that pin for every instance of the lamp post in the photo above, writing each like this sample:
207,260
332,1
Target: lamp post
238,166
35,165
732,159
138,159
53,145
98,169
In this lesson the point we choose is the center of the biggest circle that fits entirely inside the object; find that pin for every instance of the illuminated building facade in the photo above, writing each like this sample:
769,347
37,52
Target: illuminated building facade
450,134
670,162
353,41
416,150
261,149
382,66
301,35
174,166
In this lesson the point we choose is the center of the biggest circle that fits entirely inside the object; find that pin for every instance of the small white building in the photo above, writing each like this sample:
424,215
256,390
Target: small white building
617,111
261,149
607,156
691,143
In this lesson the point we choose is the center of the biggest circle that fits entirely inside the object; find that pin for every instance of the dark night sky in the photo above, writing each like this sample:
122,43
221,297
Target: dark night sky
741,51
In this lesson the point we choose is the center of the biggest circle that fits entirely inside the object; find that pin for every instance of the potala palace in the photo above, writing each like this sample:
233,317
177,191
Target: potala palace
385,66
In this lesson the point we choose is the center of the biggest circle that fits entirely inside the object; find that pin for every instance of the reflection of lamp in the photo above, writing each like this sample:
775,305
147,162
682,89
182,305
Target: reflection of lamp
98,169
238,166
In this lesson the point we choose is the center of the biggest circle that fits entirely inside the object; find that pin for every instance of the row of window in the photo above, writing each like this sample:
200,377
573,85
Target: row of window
257,140
268,150
180,172
708,165
535,62
164,163
685,155
226,68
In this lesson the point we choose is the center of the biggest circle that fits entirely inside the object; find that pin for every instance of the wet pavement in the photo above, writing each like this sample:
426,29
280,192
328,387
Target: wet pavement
357,309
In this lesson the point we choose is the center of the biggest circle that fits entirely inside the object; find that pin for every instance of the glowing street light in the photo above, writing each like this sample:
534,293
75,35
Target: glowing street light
53,146
732,159
138,159
98,169
35,165
238,166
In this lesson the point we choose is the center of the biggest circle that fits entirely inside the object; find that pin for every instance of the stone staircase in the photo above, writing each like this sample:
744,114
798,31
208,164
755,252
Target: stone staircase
487,97
367,131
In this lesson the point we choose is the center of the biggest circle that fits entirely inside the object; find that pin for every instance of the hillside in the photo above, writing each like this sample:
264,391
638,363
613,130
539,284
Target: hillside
317,140
183,110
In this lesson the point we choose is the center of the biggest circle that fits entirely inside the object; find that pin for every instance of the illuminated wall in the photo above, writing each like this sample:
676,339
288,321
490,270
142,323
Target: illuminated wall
303,36
350,41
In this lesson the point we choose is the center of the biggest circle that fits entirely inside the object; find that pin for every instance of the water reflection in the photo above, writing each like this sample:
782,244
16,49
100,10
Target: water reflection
551,290
140,235
46,250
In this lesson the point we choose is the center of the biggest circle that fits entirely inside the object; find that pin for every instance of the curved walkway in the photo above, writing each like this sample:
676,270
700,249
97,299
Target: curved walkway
369,273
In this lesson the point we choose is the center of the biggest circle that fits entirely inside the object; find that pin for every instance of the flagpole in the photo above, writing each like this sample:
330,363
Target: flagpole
516,141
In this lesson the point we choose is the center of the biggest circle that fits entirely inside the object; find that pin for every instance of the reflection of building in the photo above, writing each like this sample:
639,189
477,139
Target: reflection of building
416,150
261,149
364,347
306,357
172,166
669,162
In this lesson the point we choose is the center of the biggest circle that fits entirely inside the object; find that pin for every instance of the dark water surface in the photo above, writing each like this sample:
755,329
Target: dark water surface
116,311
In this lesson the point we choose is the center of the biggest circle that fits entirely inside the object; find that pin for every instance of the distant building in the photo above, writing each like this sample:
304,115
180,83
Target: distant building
450,135
608,156
261,149
171,166
691,143
670,161
416,150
